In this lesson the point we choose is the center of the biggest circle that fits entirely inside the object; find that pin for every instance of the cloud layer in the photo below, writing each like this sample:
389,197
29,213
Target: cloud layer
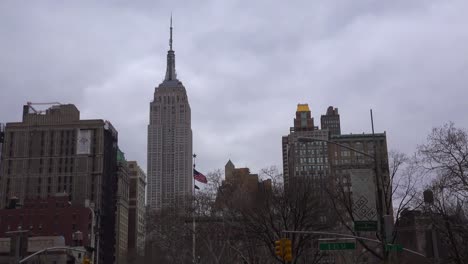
245,67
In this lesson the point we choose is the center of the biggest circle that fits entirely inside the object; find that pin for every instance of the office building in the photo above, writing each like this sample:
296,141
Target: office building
136,216
170,181
331,121
349,169
355,160
122,213
54,151
305,161
240,188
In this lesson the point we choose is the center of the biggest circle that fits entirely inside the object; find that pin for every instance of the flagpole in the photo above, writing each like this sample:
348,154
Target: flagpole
193,212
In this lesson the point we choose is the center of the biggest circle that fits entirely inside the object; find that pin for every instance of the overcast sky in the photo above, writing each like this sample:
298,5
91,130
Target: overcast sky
246,65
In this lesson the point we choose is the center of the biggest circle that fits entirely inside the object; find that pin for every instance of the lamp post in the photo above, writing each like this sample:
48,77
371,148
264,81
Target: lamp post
377,168
94,242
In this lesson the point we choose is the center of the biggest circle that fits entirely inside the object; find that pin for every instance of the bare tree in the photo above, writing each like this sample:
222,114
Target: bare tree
406,183
262,220
445,159
400,179
168,236
446,155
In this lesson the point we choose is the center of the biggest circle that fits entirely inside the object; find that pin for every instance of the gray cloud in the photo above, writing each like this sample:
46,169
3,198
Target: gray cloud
245,67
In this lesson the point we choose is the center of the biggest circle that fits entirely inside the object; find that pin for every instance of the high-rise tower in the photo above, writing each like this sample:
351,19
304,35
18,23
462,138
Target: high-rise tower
170,180
331,121
305,161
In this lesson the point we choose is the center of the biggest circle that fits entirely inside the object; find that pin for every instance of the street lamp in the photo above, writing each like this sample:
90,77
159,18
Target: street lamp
377,180
94,245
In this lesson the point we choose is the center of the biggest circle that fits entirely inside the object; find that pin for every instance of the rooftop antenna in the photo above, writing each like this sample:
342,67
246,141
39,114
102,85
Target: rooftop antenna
170,39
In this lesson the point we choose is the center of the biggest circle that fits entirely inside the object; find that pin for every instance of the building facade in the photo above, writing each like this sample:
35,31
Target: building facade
240,188
349,169
305,161
170,181
122,213
331,121
2,138
53,216
418,230
55,152
44,223
136,216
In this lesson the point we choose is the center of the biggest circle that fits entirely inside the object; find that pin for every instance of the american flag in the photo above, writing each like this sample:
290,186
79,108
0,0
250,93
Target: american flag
199,177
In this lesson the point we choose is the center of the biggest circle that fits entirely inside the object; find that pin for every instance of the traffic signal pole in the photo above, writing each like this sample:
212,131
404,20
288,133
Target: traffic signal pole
350,236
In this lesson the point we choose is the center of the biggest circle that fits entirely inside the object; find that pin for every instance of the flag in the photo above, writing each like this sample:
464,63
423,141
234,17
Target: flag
199,177
196,187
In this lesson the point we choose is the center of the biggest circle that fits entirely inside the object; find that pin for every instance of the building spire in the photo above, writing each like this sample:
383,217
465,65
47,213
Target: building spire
170,71
170,39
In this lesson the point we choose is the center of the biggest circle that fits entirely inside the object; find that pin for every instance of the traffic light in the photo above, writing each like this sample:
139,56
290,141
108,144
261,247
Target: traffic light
283,249
279,248
287,250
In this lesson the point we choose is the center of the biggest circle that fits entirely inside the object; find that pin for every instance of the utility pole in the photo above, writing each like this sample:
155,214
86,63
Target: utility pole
379,183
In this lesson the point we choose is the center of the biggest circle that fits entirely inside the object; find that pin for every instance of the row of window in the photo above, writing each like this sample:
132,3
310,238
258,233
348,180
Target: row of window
170,99
310,168
312,160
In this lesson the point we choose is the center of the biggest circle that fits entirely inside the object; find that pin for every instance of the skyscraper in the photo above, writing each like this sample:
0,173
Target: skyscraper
54,151
305,160
331,121
350,170
170,180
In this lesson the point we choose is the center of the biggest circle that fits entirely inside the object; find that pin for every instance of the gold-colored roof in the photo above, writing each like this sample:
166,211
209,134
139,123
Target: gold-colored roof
303,108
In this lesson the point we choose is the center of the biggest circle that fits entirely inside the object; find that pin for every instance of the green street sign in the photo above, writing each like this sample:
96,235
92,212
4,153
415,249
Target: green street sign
394,247
365,225
337,246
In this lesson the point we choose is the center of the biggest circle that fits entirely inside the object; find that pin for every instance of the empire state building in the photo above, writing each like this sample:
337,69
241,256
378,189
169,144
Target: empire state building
170,180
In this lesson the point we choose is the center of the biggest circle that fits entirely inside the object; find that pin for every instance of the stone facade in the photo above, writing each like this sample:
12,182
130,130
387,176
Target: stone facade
170,181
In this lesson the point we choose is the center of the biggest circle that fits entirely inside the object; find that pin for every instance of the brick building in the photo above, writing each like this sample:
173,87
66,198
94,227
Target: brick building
240,187
45,223
53,216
